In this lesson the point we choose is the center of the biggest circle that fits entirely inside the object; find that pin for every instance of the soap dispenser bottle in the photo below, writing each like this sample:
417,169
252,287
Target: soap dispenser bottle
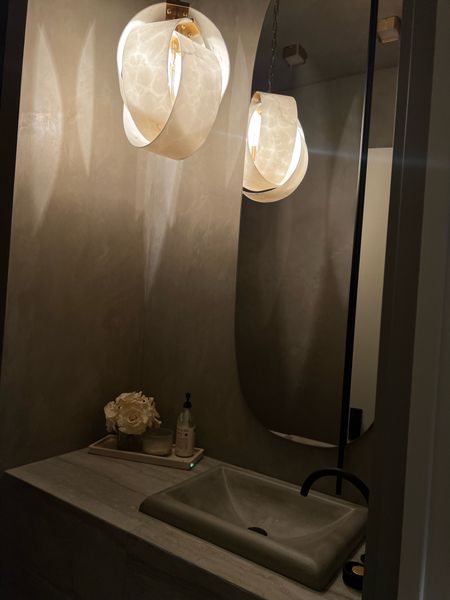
185,438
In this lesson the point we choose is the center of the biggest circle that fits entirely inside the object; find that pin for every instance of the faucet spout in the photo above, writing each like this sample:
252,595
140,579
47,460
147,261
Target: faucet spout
335,472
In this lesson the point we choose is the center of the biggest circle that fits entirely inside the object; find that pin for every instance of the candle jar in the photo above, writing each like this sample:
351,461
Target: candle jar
158,441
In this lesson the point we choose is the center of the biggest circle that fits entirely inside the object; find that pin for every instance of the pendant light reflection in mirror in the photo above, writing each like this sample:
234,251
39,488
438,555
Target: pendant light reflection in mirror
276,154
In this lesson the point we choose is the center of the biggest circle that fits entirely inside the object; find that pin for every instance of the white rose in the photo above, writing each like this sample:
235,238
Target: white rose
127,397
132,418
150,408
132,413
111,412
153,415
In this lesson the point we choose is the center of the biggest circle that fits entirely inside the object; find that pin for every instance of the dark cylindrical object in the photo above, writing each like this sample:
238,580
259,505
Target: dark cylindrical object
355,423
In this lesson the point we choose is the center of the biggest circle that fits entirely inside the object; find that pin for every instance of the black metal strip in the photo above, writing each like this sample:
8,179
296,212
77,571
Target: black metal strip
13,14
354,277
3,22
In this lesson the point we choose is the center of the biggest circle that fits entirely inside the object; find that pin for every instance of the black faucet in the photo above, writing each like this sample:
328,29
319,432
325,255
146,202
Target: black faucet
334,472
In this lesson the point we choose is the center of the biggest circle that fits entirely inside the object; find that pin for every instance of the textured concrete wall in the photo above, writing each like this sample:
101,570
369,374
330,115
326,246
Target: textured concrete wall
76,293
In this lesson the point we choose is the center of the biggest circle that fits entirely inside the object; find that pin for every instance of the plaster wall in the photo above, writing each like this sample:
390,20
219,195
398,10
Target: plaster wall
124,264
75,293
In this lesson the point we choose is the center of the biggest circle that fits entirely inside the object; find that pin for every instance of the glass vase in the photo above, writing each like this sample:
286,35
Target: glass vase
129,442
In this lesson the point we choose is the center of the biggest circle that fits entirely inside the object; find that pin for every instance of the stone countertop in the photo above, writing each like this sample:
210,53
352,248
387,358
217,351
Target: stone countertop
112,490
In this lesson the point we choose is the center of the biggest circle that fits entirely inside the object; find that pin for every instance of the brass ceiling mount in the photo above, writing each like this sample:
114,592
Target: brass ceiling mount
295,55
177,10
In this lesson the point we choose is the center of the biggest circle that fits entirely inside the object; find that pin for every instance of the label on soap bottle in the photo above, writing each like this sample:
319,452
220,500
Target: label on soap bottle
184,445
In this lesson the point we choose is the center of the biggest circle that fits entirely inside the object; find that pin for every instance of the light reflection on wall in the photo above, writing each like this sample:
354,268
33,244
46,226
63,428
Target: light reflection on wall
85,94
41,125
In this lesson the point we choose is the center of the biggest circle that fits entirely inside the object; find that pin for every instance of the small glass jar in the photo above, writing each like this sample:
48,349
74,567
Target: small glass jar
158,441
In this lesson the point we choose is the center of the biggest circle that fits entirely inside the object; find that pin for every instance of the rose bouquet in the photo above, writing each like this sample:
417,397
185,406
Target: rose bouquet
129,415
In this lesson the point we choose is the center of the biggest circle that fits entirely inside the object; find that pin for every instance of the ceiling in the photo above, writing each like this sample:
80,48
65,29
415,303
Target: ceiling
334,34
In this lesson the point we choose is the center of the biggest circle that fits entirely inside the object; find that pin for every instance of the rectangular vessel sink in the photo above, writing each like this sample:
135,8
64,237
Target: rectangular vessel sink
306,539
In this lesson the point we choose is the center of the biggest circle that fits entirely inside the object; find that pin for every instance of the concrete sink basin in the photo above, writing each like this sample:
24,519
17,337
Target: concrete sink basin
265,520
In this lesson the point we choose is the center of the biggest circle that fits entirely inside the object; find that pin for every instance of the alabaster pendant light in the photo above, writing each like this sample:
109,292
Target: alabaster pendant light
173,73
276,155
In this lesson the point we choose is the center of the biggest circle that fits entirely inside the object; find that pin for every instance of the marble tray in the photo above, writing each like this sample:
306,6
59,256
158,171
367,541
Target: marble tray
107,446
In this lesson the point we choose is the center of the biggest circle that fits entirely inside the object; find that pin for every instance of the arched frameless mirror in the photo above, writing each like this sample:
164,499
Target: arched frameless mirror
295,255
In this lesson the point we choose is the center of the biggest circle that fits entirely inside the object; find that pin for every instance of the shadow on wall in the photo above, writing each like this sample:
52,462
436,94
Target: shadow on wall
76,294
294,272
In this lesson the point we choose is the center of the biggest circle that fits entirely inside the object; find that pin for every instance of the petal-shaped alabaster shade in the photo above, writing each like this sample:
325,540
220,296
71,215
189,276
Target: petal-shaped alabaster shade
172,78
276,155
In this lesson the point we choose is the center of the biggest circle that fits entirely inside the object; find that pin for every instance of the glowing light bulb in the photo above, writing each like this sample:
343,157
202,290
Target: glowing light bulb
254,131
174,66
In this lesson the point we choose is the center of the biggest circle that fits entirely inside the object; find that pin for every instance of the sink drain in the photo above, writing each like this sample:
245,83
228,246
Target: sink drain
259,530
